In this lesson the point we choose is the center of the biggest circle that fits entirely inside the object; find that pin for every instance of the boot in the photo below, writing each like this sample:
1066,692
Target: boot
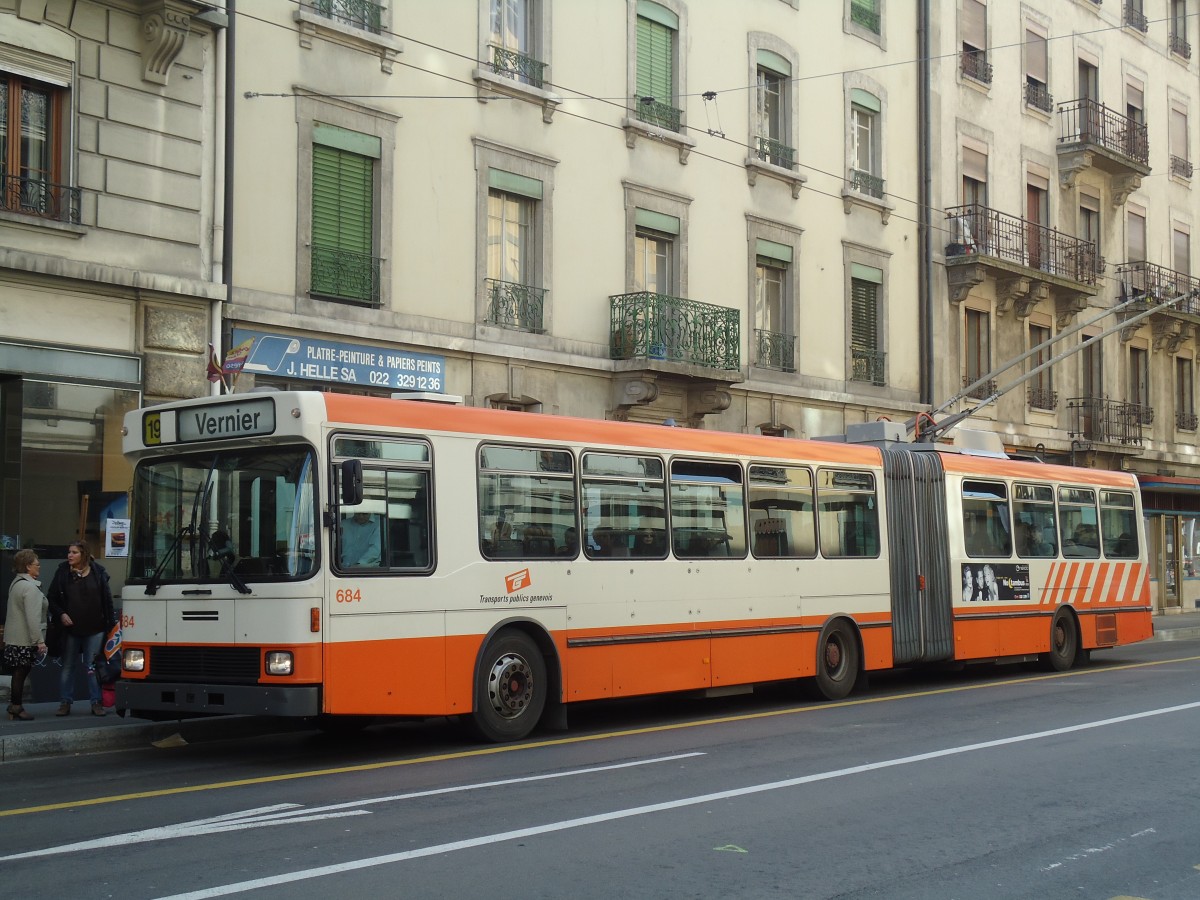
18,712
64,709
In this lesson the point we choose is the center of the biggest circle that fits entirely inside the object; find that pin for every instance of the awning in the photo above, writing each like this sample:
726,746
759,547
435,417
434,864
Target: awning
1170,483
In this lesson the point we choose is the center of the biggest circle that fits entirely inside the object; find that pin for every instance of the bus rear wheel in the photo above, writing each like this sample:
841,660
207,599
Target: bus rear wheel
510,688
1064,643
837,661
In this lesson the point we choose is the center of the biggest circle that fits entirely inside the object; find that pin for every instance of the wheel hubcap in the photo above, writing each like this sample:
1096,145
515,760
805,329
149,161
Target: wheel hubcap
510,685
833,657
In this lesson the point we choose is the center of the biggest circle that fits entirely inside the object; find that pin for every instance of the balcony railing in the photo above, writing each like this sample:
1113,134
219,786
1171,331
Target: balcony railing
517,66
1180,46
1135,18
1181,167
1089,122
1106,421
775,152
775,350
866,14
1159,284
975,65
661,115
976,229
1042,398
512,305
983,391
356,13
1038,96
656,326
345,275
1186,421
866,183
868,366
31,197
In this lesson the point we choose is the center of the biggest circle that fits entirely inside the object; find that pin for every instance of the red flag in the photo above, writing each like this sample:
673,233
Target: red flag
214,365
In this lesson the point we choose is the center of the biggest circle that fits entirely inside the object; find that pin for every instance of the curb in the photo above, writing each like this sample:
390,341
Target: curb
1176,634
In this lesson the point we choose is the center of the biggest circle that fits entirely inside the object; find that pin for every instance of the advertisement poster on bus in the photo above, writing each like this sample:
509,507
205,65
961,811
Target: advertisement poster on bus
984,582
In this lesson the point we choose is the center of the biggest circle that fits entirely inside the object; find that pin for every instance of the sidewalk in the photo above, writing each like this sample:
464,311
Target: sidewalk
81,732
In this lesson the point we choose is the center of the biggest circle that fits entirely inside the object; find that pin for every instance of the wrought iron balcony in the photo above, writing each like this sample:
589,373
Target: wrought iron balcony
1099,419
1186,421
1180,167
345,275
517,66
868,366
976,229
1038,96
983,391
517,306
356,13
775,350
655,326
1158,284
1089,122
775,152
1180,46
1042,398
650,111
1135,18
866,183
974,64
42,199
866,14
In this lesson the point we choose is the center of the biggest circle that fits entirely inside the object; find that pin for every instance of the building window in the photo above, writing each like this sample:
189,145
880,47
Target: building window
513,269
1185,395
772,132
865,174
867,356
1041,387
653,261
1037,214
513,40
1181,253
1139,384
1135,237
345,265
1179,29
1135,16
364,14
977,352
974,63
774,337
1037,91
1089,218
867,15
32,150
1181,166
657,35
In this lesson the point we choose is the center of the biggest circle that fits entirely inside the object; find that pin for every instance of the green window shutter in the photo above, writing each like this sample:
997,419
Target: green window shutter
654,44
342,219
864,315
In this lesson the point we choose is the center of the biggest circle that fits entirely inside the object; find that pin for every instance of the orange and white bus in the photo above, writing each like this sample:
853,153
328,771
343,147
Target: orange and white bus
312,554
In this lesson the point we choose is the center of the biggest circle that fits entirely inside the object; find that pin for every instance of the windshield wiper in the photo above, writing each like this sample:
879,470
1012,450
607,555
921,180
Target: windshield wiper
155,581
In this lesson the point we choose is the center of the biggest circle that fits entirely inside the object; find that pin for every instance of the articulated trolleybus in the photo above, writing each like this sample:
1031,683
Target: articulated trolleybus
322,555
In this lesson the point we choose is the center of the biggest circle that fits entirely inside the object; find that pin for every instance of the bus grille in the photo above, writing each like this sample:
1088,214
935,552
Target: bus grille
206,664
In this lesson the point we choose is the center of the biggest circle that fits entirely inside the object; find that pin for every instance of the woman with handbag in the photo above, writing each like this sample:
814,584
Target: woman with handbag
82,602
25,627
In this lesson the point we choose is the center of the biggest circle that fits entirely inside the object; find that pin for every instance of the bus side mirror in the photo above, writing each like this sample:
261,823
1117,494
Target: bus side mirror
352,482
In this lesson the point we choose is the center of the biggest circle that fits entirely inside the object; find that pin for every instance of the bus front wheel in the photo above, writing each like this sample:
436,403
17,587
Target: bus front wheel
510,688
1064,643
837,661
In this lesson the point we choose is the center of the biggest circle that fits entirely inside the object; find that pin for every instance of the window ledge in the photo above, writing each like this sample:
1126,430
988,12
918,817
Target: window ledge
41,225
492,85
311,25
635,128
756,167
852,198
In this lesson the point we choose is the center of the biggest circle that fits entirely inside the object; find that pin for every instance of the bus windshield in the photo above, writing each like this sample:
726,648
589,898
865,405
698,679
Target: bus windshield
231,516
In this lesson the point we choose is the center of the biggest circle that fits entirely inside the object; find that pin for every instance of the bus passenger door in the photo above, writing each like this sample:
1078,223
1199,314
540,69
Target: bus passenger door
918,556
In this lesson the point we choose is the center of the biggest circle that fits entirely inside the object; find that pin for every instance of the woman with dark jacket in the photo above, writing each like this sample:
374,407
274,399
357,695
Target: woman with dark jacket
81,605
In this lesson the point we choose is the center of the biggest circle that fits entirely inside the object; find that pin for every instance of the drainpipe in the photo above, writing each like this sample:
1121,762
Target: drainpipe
925,310
223,174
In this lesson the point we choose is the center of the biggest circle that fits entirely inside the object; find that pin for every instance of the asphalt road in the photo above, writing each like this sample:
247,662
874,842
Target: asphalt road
999,782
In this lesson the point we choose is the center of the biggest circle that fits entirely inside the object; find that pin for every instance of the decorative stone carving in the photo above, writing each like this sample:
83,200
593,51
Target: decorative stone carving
1067,305
961,278
1070,165
703,401
1169,334
164,30
1123,186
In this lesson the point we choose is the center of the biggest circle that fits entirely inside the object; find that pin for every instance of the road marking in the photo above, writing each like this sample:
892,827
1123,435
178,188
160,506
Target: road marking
578,739
290,813
681,803
1089,852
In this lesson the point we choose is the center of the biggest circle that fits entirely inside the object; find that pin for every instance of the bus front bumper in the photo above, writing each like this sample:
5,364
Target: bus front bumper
219,699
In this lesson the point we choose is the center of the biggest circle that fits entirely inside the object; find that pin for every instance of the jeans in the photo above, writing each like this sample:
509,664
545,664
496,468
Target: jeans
73,646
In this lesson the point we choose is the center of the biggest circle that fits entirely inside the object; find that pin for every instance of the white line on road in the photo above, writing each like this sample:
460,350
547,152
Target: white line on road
484,840
289,813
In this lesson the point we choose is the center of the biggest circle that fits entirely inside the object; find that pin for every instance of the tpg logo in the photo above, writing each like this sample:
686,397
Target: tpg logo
516,581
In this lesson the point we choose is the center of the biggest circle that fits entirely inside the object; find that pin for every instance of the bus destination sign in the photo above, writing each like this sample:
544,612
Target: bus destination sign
211,422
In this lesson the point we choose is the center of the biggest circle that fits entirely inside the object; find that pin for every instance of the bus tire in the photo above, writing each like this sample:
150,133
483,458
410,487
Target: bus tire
837,661
510,688
1064,643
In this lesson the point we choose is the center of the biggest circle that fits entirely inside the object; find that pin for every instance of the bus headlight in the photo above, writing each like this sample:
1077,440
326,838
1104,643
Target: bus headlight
133,660
279,662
